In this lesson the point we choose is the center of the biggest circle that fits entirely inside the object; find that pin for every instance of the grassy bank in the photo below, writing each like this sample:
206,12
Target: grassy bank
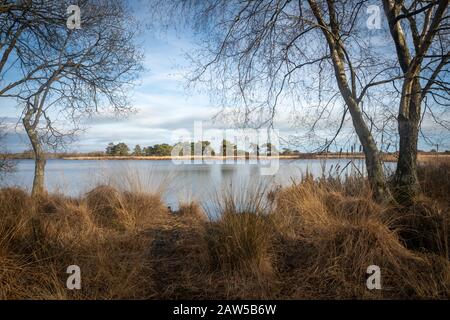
311,240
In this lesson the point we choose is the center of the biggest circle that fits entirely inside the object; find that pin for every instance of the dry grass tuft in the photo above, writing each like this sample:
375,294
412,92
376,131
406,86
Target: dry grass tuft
240,239
106,205
327,240
424,226
434,178
125,210
40,239
240,242
191,210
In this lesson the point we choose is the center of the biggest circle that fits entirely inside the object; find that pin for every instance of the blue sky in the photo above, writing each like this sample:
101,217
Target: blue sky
164,105
160,98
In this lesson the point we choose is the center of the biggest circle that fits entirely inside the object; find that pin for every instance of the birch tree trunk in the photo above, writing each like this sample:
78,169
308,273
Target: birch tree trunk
373,161
406,181
40,160
374,165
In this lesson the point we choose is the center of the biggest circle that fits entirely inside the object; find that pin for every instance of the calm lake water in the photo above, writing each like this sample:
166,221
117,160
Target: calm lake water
178,183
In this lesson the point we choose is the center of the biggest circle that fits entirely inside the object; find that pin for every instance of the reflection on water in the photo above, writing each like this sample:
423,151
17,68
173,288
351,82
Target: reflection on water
178,183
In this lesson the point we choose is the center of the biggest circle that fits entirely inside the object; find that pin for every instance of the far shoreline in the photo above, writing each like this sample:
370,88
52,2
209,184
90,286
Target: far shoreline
324,156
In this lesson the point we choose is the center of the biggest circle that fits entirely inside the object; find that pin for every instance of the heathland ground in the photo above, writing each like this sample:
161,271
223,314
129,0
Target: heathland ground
311,240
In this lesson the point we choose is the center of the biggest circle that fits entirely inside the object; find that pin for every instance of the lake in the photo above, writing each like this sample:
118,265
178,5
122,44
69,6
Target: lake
177,182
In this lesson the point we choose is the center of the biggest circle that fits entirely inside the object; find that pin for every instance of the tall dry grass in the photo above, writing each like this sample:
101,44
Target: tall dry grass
312,240
331,238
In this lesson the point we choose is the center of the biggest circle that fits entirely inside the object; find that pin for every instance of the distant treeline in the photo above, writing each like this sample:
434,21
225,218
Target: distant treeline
188,148
122,149
191,148
226,148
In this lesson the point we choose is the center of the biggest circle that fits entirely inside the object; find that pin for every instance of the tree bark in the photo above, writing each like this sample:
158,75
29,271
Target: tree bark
406,181
38,182
374,165
375,172
40,160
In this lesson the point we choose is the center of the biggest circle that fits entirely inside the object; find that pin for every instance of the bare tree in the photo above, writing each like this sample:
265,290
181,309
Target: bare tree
423,56
22,22
264,54
266,51
75,73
